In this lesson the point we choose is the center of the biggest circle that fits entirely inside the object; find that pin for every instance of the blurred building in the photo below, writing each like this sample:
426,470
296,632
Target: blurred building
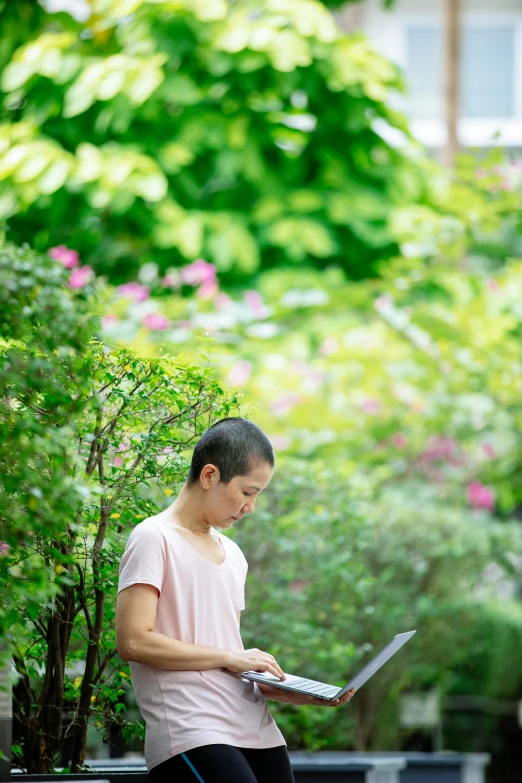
411,34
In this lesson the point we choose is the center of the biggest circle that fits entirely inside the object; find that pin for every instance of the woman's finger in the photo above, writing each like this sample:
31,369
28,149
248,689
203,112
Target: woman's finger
273,665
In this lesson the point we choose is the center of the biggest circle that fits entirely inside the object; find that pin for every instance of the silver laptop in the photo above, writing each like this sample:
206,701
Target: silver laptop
321,690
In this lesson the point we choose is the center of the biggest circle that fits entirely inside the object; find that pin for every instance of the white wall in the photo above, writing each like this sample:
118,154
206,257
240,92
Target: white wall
388,32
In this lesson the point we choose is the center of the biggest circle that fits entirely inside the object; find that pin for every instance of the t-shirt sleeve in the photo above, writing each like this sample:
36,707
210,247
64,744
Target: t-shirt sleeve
244,570
144,559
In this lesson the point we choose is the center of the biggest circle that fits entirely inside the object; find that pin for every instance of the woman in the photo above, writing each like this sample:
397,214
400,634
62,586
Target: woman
180,595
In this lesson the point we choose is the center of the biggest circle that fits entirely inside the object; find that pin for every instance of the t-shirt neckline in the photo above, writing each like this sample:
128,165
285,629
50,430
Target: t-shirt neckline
217,566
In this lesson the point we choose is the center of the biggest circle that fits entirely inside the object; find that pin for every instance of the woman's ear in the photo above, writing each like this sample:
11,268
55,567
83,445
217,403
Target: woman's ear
209,475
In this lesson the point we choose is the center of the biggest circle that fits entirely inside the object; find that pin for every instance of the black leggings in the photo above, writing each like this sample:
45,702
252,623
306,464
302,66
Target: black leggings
226,764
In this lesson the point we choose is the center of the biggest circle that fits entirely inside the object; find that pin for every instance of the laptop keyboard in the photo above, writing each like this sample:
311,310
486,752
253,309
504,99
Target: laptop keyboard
313,687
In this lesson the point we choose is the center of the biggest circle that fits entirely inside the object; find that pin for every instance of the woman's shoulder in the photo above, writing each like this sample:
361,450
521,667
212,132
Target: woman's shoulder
234,549
148,528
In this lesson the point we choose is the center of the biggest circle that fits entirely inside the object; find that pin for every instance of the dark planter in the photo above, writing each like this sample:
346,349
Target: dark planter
338,767
321,767
5,745
313,768
6,720
442,767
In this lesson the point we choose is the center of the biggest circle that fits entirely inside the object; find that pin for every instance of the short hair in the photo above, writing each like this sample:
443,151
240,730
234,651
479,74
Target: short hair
235,445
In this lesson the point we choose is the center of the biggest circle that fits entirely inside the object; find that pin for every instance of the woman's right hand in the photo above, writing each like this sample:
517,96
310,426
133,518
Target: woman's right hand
254,660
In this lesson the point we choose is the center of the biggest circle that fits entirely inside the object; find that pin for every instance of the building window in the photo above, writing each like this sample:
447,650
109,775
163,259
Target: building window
486,71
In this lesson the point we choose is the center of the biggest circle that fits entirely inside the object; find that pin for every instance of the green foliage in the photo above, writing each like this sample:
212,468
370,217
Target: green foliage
487,196
130,441
339,564
248,136
425,360
146,137
474,213
45,371
399,403
480,667
91,437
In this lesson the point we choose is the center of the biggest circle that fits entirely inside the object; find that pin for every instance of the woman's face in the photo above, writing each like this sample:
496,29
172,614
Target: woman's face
226,503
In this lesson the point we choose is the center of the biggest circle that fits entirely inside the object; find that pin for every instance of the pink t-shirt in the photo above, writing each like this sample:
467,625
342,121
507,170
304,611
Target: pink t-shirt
198,603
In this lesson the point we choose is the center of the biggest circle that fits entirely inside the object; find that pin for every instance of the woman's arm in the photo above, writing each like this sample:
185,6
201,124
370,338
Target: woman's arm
300,699
137,641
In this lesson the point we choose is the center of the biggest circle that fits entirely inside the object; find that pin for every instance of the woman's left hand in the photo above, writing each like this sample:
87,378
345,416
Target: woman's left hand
300,699
336,703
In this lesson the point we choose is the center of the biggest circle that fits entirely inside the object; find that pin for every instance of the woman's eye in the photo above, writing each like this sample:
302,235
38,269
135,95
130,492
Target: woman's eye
248,494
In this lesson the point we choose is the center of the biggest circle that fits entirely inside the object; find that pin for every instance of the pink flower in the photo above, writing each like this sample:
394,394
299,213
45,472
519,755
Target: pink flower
30,533
284,404
198,272
222,300
383,303
480,496
156,322
492,284
435,474
168,450
4,548
239,373
297,585
279,442
207,289
506,184
125,446
481,173
81,276
313,378
371,406
442,447
254,300
488,450
328,346
109,319
399,440
65,256
117,462
134,290
170,280
316,378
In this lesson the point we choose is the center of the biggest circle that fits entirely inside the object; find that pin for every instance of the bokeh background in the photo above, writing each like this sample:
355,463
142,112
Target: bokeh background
318,206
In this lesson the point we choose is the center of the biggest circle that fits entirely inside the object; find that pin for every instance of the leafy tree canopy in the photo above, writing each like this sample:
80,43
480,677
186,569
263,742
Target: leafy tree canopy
250,133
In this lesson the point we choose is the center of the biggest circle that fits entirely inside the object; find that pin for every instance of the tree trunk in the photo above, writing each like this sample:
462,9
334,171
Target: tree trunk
451,78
